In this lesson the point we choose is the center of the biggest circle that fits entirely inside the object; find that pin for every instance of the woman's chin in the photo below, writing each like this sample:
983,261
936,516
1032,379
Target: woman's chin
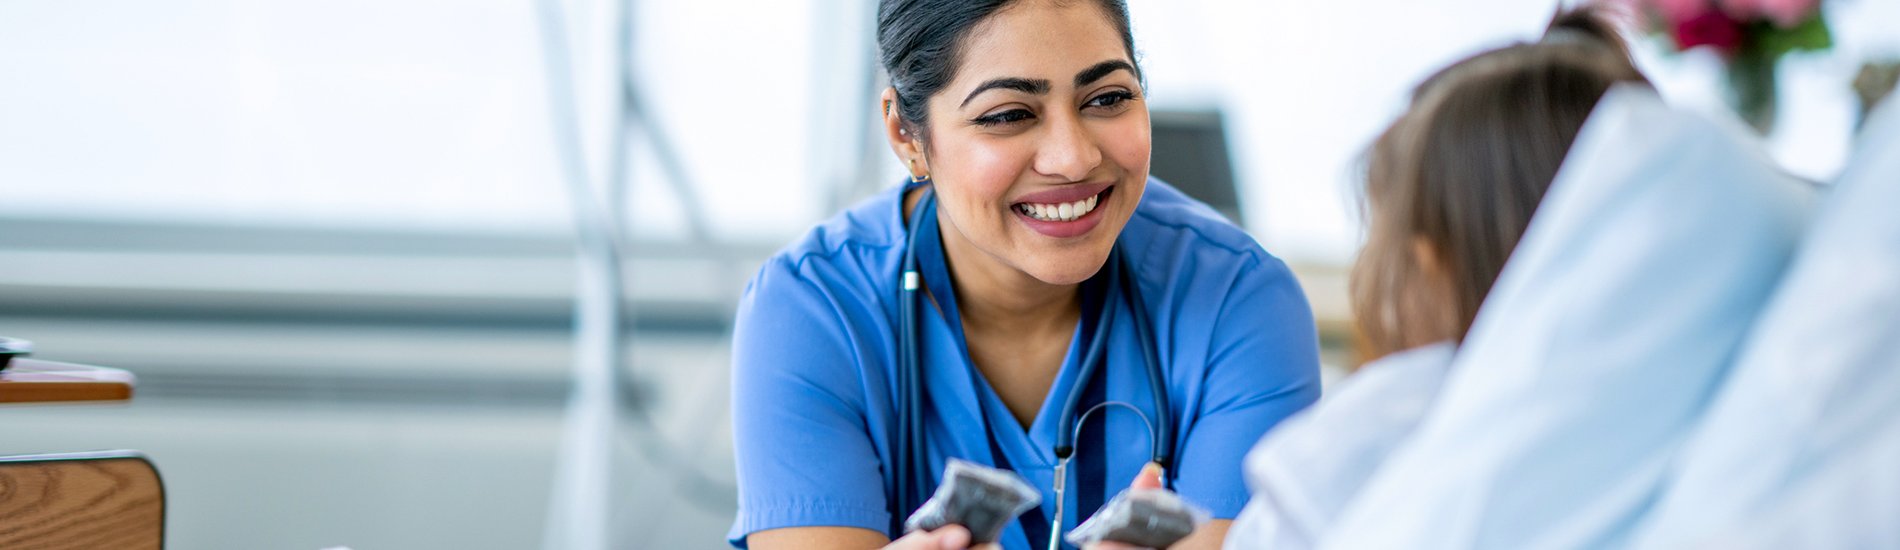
1066,271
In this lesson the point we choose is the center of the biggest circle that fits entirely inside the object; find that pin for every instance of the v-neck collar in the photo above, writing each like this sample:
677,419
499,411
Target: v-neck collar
1021,447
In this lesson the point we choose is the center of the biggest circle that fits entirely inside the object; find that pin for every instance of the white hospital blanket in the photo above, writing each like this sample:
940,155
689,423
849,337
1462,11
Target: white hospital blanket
1305,470
1803,443
1657,245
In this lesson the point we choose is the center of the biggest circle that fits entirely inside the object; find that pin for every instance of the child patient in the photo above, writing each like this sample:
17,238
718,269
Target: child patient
1450,187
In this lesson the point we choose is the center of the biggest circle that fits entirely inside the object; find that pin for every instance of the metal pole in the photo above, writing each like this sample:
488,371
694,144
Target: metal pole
578,517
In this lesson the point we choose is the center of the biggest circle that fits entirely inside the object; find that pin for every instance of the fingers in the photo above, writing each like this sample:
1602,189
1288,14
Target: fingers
1149,478
956,537
952,537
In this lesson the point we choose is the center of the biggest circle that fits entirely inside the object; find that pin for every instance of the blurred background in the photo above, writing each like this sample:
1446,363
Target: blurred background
336,240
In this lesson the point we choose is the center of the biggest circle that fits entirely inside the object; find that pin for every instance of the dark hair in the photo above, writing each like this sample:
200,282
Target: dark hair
1463,170
920,43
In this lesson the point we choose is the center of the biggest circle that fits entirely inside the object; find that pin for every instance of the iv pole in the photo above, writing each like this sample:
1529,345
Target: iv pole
582,495
580,514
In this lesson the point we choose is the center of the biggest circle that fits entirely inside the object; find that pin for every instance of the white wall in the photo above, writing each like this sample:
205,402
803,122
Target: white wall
431,114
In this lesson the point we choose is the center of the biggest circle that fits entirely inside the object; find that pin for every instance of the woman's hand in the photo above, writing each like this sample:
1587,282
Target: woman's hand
1207,536
955,537
949,537
1149,478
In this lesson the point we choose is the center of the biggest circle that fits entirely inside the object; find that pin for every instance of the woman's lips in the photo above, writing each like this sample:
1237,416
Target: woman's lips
1066,217
1066,193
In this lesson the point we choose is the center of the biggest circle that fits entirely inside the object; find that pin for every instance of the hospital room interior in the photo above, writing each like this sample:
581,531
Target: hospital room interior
467,274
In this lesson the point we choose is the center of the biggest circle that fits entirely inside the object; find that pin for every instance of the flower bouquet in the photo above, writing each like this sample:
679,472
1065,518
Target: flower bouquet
1751,35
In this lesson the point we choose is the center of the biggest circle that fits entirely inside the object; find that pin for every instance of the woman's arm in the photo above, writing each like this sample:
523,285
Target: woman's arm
804,452
851,538
817,538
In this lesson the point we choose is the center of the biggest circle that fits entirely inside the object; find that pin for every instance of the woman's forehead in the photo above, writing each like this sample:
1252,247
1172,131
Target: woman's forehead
1038,39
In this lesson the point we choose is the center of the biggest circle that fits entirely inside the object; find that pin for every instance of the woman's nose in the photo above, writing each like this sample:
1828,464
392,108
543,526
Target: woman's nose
1068,150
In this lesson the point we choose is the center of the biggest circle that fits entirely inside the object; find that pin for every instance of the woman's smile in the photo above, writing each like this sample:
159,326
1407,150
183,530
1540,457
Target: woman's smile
1064,213
1037,145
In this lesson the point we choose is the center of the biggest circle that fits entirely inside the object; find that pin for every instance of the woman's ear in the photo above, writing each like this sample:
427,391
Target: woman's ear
909,149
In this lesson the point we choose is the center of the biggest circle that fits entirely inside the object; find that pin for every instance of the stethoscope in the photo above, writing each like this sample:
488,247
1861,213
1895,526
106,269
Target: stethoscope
911,479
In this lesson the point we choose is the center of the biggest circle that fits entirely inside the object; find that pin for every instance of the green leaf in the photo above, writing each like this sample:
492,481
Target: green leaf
1810,35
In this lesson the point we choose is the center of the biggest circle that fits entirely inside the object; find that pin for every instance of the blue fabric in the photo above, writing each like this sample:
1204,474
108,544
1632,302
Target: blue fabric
815,343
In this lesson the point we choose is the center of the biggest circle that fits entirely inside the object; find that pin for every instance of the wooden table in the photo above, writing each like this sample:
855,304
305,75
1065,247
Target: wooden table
36,381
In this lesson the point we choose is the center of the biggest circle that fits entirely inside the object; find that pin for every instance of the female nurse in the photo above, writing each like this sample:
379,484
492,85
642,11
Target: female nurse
1052,275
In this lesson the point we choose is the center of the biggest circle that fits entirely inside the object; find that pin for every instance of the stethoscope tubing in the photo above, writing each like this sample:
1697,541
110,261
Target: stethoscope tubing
912,477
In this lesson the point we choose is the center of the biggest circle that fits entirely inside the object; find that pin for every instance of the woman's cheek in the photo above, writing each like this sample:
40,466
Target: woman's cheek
1129,145
997,165
985,174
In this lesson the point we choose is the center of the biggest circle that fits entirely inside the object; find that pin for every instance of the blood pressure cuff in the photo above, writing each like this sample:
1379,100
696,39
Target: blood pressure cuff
979,498
1149,518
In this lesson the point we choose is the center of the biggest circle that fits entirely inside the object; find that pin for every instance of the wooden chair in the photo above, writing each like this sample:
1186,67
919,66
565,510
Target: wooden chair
106,499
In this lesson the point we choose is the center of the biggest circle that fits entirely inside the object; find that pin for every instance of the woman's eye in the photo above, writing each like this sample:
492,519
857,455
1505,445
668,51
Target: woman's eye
1111,100
1005,117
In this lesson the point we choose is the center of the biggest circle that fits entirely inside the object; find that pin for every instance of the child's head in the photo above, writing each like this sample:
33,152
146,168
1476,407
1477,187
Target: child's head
1452,184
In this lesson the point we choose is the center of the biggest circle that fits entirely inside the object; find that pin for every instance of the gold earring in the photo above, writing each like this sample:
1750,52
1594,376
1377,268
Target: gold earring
914,178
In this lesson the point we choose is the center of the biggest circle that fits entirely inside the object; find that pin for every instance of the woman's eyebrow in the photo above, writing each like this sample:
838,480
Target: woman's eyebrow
1037,86
1032,86
1100,70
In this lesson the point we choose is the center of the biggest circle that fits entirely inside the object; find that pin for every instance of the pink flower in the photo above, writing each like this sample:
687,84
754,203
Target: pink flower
1658,14
1675,12
1785,13
1711,28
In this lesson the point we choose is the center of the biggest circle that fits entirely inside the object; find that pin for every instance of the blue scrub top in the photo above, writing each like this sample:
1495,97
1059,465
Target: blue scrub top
815,358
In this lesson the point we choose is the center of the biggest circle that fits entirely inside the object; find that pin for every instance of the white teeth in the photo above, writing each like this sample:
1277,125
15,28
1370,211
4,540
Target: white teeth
1062,212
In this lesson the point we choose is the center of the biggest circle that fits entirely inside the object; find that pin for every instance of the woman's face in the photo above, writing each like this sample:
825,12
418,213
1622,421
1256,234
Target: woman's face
1039,148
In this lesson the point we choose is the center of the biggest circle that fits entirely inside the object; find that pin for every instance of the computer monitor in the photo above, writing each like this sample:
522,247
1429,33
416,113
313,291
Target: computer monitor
1190,152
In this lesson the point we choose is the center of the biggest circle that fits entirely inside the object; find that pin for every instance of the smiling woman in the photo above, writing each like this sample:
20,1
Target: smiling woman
1030,271
1033,134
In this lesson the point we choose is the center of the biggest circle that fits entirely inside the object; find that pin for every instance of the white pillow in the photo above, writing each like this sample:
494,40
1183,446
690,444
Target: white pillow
1659,241
1816,393
1311,465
